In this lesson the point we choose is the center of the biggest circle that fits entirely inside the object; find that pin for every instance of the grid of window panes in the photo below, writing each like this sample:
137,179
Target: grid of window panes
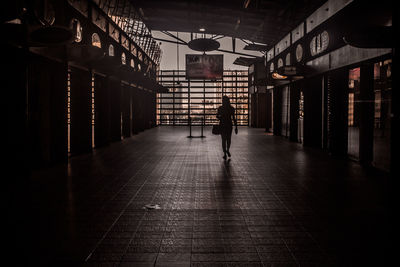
200,99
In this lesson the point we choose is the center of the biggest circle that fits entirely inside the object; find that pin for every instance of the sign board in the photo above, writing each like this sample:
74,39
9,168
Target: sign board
287,70
204,66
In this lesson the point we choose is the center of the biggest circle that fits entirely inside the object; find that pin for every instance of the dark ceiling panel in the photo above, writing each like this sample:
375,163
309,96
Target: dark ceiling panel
264,21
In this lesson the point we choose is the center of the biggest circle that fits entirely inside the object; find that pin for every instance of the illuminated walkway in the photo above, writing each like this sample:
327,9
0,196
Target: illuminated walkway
274,203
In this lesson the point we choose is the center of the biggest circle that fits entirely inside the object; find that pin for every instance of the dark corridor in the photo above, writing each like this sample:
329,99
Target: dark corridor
98,167
274,204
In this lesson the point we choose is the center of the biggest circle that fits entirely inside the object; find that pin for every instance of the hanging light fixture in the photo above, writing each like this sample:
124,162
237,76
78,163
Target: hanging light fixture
46,33
203,44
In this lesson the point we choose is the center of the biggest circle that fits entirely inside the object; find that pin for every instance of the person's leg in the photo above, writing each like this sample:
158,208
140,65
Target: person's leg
223,138
228,142
223,143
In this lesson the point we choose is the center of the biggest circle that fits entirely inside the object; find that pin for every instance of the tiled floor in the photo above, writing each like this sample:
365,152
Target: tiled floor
274,203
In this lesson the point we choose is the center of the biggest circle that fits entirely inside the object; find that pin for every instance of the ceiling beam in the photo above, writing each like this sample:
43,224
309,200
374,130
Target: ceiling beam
261,21
236,53
226,7
169,41
173,36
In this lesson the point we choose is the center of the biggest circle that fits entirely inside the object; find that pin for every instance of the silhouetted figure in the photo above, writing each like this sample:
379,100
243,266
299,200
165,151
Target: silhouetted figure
226,113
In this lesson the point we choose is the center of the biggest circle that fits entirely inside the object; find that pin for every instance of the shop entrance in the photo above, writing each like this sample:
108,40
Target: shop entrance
300,120
382,113
353,119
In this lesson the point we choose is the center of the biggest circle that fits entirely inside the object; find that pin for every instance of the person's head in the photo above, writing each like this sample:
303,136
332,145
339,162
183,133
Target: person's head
225,101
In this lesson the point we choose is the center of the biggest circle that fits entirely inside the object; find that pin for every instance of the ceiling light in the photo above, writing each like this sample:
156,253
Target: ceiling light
202,29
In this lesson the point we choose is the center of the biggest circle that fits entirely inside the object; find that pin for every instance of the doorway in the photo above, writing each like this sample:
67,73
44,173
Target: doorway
382,114
353,123
300,120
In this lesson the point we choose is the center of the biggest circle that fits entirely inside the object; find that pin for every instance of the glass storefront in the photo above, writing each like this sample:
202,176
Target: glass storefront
353,132
382,95
382,114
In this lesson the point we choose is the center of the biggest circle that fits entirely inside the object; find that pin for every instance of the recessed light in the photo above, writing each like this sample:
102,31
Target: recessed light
202,29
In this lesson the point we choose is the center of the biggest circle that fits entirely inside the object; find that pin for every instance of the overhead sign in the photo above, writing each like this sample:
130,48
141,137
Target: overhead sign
288,70
204,66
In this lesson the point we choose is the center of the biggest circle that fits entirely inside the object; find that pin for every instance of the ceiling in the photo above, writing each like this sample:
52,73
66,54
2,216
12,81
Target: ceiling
262,21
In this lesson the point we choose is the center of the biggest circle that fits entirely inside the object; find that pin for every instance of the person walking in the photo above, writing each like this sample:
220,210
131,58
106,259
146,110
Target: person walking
225,114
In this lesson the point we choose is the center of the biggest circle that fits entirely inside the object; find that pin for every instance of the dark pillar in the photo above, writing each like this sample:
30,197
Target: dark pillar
147,110
313,112
324,110
126,111
47,121
114,90
154,117
268,111
253,122
285,104
135,111
81,124
141,110
261,110
337,109
102,109
294,111
16,162
151,110
277,110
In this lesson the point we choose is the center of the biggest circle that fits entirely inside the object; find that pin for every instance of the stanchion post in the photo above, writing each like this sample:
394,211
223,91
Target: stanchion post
202,126
190,127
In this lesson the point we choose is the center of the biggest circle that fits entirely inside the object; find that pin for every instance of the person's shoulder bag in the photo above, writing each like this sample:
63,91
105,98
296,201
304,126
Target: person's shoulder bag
216,129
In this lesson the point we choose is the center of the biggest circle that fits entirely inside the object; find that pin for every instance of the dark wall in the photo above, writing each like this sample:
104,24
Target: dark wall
16,184
102,111
268,111
147,113
81,125
135,110
277,110
153,108
337,85
140,110
126,110
143,110
253,110
262,110
258,110
294,110
313,112
47,103
114,90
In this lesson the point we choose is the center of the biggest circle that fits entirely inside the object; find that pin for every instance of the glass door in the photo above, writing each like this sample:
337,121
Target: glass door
353,132
285,111
301,118
382,114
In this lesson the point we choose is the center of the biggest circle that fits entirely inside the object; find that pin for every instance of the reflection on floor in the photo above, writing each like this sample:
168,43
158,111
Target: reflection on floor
274,203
